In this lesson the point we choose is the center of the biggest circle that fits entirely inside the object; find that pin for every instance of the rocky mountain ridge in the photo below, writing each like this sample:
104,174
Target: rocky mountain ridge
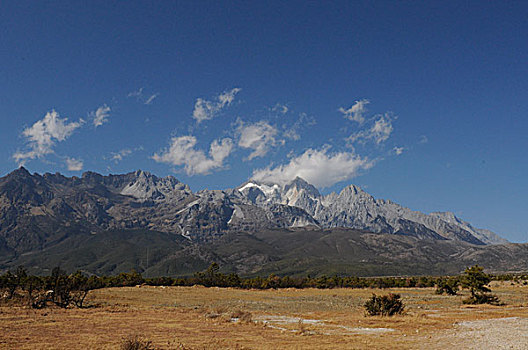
37,211
354,208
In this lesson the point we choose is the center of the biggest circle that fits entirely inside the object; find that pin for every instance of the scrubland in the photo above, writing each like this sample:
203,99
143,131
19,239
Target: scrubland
227,318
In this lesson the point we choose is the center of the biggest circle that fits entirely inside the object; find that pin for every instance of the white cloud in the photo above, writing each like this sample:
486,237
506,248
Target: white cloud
206,110
378,132
74,164
151,98
382,129
100,116
259,136
318,167
220,151
356,111
182,153
423,139
42,136
228,97
398,150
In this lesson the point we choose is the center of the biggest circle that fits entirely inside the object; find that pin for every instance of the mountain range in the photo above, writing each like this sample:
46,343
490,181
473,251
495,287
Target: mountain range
109,224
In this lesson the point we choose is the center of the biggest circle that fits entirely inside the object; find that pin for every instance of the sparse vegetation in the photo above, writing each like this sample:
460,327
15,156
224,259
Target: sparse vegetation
171,316
384,305
58,288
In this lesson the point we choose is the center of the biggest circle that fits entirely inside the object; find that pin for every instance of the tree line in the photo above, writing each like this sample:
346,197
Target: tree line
65,290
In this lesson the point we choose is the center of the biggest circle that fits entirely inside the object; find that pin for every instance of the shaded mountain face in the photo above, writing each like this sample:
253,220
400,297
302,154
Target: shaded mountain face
39,211
293,251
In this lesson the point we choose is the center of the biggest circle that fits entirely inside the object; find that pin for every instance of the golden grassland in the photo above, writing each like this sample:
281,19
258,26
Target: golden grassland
226,318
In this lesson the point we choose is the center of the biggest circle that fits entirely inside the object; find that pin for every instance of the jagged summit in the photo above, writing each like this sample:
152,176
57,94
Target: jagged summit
20,172
145,186
354,190
298,184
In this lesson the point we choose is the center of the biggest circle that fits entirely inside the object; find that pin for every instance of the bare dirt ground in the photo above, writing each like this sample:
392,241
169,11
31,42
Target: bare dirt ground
225,318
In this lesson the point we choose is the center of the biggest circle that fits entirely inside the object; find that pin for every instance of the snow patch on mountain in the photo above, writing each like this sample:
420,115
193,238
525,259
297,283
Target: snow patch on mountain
355,208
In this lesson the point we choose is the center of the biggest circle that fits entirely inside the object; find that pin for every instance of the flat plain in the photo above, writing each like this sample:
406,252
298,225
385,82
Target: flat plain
226,318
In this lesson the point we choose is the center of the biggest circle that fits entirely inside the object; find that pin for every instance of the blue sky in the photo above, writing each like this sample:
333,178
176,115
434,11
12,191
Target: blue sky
424,103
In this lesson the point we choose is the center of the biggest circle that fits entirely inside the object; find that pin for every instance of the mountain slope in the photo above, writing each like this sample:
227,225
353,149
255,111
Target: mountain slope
281,251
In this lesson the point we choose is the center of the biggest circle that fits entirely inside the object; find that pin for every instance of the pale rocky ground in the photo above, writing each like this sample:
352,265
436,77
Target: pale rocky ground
498,333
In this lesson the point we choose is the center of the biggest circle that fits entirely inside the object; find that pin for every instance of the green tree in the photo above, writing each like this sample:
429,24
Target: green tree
81,286
60,287
475,279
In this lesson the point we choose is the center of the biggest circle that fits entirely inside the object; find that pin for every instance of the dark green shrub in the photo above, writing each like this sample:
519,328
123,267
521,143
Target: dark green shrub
384,305
447,286
483,298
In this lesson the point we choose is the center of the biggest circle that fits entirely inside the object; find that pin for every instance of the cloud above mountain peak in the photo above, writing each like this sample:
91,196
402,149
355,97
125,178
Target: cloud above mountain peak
42,136
319,167
182,152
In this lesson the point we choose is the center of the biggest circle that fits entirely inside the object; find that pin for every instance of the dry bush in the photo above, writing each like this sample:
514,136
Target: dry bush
243,316
384,305
302,327
136,343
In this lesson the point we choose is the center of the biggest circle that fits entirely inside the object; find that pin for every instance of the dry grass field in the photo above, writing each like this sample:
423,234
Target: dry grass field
225,318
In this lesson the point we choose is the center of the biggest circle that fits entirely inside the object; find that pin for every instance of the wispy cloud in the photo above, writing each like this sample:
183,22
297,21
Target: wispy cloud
379,132
398,150
259,136
319,167
279,108
74,164
121,154
206,110
118,156
151,98
182,152
423,139
142,97
42,136
293,132
100,116
356,111
138,93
